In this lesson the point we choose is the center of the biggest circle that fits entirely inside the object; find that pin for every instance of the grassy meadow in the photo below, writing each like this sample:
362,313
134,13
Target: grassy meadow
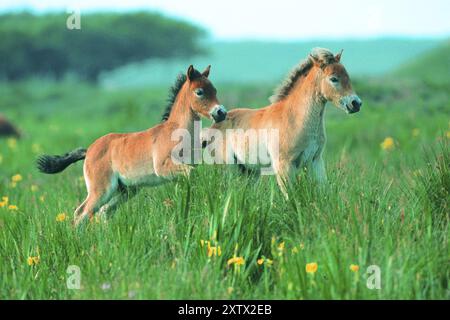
386,204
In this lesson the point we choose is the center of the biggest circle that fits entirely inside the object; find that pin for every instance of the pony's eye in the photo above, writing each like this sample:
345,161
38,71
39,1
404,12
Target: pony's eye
334,79
199,92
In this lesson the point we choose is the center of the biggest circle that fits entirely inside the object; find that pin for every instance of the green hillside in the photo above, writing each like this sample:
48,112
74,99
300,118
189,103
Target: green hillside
268,62
432,67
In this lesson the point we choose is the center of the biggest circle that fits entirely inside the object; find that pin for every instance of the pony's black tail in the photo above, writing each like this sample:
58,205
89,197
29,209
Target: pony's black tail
54,164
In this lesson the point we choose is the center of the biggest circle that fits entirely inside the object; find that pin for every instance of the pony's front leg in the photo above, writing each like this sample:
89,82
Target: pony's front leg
284,172
318,170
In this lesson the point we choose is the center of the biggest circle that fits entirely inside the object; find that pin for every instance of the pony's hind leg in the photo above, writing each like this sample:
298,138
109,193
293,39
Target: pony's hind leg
100,192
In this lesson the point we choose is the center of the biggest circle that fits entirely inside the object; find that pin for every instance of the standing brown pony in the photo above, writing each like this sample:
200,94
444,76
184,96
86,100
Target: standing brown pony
297,114
117,161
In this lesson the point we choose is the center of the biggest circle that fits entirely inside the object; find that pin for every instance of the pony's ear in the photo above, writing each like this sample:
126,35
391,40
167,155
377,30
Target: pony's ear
338,55
315,61
191,73
206,72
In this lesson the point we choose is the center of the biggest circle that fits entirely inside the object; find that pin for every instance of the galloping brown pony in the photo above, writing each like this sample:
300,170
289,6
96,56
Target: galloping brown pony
117,162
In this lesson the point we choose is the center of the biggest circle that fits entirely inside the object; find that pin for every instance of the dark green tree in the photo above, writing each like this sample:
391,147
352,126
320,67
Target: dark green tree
33,44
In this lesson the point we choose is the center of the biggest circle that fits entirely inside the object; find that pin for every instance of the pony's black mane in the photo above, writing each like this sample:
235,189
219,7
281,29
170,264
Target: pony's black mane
173,92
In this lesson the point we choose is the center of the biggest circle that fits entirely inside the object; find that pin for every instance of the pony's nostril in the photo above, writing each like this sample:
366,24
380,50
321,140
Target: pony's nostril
356,104
220,112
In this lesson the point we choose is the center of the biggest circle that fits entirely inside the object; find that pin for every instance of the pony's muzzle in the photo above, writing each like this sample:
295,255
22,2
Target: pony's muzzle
354,105
218,113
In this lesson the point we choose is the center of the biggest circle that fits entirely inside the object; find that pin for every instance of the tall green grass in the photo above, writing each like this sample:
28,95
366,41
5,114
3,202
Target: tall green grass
381,207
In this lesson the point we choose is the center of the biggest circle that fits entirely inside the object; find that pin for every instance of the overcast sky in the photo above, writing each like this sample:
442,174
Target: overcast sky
281,19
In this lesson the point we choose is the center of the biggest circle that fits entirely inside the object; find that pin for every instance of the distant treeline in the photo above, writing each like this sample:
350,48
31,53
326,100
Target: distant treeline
32,44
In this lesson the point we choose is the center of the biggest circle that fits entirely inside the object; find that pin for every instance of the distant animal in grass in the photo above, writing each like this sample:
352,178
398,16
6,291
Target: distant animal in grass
7,129
116,164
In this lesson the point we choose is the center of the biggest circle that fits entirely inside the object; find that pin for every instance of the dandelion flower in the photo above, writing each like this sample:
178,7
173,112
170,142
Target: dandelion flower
354,267
311,267
31,261
260,261
212,251
387,144
16,178
13,207
4,202
236,260
61,217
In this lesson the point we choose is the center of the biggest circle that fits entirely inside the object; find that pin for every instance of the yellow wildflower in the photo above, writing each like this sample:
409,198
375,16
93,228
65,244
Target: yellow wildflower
387,144
236,260
269,262
354,267
212,251
281,246
61,217
12,207
33,260
16,178
294,250
260,261
230,290
311,267
4,202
